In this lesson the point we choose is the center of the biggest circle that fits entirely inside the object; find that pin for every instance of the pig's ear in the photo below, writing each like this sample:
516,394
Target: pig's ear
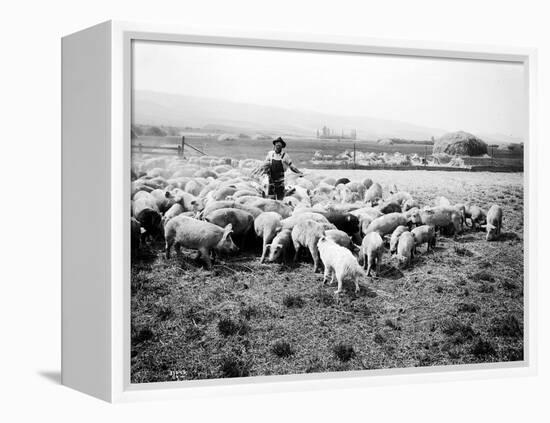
168,194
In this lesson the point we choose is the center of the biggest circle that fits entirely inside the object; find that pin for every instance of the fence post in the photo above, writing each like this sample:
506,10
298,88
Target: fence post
182,145
354,155
425,155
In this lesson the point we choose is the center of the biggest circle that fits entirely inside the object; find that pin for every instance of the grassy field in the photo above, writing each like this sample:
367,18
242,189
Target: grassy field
302,150
462,303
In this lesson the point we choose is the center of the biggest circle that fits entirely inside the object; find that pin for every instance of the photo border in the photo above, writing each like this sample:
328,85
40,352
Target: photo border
122,35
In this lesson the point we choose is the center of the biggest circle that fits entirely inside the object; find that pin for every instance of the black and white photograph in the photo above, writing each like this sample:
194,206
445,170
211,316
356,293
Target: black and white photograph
306,212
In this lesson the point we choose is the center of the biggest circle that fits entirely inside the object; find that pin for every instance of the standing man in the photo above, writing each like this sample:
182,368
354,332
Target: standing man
276,164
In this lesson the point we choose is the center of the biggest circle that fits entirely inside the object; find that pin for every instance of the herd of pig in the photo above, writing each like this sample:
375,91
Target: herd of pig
345,225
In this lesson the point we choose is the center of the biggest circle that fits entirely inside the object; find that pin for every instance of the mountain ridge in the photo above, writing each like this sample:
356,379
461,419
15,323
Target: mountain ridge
165,109
156,108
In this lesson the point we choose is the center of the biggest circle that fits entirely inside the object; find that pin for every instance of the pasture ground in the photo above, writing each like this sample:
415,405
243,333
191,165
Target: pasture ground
460,304
301,150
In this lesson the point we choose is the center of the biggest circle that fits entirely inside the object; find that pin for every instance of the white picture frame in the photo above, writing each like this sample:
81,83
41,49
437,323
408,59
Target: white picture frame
96,115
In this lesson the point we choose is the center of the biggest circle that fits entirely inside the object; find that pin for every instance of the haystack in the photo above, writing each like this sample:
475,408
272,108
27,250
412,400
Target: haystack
385,141
460,143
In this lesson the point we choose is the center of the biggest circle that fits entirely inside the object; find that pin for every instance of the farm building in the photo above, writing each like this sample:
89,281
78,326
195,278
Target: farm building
460,143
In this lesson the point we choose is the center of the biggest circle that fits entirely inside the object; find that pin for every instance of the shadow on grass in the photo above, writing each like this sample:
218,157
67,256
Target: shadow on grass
391,272
507,236
467,238
148,253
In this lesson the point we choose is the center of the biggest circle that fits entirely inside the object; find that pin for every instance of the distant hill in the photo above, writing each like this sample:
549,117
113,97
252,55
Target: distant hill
394,141
162,109
495,138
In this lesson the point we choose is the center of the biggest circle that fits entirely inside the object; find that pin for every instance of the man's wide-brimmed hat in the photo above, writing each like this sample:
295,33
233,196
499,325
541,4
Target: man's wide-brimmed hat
279,140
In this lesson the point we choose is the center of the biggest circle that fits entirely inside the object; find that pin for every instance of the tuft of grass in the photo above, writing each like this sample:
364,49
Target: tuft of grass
141,335
282,349
314,365
232,366
463,252
509,286
195,313
458,331
483,275
454,351
249,311
379,338
464,293
482,348
343,352
362,309
392,324
424,359
324,298
513,354
293,301
486,288
193,333
229,327
165,312
139,280
508,326
467,308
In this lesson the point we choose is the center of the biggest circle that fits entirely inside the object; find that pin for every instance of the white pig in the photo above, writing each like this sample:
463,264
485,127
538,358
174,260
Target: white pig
339,262
306,234
266,226
494,222
405,248
395,237
184,231
372,249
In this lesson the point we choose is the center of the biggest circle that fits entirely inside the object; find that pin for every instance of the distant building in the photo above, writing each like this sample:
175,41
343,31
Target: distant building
329,133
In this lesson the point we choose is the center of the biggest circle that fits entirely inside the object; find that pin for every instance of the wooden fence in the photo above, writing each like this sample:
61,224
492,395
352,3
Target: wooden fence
159,149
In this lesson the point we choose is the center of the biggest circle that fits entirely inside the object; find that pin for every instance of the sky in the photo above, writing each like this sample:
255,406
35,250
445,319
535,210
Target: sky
475,96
